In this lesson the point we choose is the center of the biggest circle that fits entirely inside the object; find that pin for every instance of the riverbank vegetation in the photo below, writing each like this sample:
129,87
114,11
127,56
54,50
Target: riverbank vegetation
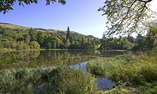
47,81
30,73
24,38
131,72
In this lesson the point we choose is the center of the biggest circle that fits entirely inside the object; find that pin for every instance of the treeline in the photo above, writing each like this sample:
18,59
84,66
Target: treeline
147,42
19,39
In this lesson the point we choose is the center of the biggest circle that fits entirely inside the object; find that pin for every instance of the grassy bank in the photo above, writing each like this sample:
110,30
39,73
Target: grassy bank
46,81
132,73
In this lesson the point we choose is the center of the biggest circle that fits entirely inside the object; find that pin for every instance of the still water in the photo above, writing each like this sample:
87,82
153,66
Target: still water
56,58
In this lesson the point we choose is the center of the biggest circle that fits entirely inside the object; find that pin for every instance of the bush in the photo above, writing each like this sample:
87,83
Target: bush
34,45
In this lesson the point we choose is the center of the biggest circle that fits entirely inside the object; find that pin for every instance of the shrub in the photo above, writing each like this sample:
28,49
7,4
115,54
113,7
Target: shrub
34,45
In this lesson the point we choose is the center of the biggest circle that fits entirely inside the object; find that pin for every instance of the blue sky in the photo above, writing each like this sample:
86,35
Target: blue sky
80,15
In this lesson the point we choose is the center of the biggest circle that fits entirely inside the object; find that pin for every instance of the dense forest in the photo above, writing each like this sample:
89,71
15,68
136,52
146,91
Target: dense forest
21,38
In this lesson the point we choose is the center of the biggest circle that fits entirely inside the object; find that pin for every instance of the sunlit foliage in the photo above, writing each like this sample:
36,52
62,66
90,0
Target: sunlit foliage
125,16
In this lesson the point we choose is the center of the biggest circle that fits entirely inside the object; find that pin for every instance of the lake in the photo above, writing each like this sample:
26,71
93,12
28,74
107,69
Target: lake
55,58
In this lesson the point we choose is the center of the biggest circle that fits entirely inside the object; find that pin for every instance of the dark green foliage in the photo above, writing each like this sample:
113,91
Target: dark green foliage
75,46
82,41
32,35
27,39
140,41
40,37
67,43
127,44
68,33
46,81
111,43
151,37
49,45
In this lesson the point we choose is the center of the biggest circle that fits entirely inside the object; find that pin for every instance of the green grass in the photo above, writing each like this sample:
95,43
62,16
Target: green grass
136,71
46,81
135,74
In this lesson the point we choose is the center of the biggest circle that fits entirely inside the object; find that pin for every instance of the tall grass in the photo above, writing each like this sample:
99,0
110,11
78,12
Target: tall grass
70,81
22,80
134,70
46,81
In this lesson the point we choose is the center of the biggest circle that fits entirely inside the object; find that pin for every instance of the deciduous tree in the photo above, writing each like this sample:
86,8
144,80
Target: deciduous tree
6,5
34,45
125,13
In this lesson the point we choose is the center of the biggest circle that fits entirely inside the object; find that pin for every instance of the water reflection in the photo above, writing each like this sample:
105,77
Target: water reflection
105,84
54,58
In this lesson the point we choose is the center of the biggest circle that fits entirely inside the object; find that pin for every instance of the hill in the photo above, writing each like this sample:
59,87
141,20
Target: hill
61,32
12,26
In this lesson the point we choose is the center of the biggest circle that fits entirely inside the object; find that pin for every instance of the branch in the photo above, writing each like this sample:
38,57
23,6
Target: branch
145,1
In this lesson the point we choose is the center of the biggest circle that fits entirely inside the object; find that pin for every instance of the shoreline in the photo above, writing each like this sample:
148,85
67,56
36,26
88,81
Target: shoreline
13,50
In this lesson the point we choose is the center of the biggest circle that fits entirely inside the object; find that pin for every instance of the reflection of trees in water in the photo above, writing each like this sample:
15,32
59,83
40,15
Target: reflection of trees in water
34,54
49,57
110,53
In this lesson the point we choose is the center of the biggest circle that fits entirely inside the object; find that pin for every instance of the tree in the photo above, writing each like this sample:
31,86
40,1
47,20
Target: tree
67,43
6,5
34,45
127,44
27,39
82,41
32,35
151,38
140,42
125,13
40,38
130,39
49,45
68,33
75,45
1,45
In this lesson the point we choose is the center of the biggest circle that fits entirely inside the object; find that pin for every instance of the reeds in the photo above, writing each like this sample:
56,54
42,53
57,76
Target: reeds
134,70
47,81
